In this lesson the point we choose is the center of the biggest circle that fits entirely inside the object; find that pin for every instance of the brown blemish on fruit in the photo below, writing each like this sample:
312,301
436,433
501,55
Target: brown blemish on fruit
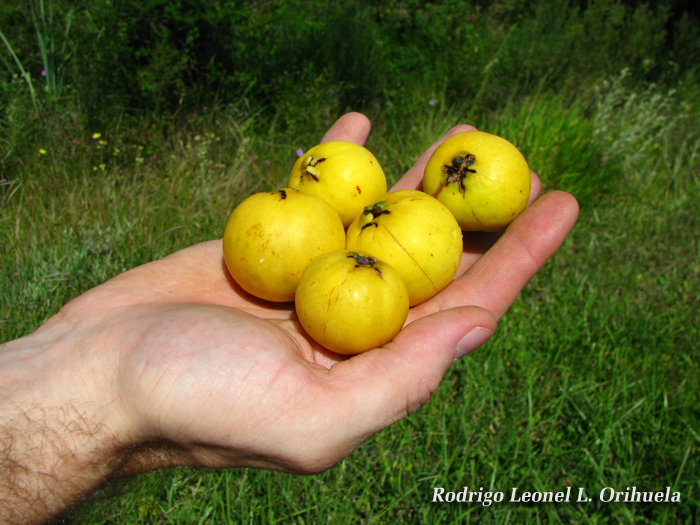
331,299
359,190
477,218
439,189
255,230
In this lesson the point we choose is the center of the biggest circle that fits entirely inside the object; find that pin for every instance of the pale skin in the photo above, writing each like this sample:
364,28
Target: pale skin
171,363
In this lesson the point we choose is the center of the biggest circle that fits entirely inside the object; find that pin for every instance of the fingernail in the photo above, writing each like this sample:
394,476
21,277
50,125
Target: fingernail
472,340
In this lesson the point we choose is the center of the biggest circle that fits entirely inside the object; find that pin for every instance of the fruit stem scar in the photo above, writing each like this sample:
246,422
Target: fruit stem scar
459,169
365,262
308,167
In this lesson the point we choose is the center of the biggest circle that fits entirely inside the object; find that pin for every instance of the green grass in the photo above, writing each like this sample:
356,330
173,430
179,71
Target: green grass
592,379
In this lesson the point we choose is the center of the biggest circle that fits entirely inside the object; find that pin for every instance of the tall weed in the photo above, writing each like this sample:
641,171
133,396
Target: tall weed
54,51
23,74
653,134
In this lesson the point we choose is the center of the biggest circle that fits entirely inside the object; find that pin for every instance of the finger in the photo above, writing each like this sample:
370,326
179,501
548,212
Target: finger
351,127
386,384
496,278
413,179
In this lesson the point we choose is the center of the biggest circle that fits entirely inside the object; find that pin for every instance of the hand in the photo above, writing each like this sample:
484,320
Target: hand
171,363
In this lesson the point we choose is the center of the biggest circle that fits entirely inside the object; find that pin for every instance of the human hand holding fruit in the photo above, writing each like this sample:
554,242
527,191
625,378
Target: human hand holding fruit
282,400
176,356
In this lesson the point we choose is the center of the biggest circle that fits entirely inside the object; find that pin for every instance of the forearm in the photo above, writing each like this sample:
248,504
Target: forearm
50,456
55,446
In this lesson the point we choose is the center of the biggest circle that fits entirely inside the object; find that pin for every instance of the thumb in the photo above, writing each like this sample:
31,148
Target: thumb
388,383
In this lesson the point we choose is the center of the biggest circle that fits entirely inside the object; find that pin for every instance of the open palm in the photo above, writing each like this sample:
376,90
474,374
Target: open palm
204,373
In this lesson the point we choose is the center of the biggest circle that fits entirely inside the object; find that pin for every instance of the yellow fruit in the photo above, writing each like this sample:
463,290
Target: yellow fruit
270,238
350,302
346,175
414,233
482,178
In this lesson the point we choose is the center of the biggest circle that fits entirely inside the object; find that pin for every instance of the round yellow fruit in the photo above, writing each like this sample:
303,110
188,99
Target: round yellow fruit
414,233
483,179
346,175
270,238
350,302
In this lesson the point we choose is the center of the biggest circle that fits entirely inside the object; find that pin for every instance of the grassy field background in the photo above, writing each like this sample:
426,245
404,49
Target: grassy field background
150,123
